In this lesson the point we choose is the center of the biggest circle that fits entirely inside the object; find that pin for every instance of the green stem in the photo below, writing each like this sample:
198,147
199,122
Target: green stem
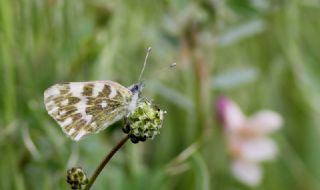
105,162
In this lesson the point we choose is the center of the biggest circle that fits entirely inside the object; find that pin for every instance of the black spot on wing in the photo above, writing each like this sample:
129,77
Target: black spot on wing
105,91
88,90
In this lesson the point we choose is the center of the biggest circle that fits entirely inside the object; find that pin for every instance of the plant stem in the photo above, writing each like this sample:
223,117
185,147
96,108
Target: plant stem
105,162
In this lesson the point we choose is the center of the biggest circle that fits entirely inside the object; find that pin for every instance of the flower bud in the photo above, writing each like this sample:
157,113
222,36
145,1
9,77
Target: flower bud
76,178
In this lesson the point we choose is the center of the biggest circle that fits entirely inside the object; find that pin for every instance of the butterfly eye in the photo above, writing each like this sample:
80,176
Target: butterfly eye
136,88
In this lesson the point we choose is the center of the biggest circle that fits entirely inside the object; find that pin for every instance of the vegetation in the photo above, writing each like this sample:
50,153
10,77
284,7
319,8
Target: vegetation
262,54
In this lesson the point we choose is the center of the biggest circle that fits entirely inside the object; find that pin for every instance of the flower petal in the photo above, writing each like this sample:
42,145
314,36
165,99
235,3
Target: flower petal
265,122
258,149
230,114
248,173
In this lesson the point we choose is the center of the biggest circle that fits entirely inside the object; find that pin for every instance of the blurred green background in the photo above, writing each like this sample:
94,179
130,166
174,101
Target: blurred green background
261,53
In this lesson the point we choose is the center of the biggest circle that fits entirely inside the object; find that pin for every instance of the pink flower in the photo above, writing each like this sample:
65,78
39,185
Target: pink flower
247,139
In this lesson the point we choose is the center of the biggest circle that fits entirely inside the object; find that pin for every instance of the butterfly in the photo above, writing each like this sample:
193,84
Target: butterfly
83,108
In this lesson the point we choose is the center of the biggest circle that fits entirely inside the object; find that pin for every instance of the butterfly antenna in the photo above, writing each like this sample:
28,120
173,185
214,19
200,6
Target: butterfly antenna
145,63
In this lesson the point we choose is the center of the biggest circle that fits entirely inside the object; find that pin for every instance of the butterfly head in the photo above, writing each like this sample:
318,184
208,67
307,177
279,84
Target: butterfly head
136,88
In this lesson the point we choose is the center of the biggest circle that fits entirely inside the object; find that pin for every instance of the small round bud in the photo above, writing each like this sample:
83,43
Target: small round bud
76,177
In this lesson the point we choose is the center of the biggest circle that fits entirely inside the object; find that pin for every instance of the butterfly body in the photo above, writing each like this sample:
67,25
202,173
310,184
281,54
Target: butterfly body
83,108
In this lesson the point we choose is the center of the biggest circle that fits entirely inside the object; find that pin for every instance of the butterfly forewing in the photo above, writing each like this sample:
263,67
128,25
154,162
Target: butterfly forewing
83,108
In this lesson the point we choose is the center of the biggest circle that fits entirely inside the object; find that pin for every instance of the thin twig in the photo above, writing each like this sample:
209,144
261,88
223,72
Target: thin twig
105,162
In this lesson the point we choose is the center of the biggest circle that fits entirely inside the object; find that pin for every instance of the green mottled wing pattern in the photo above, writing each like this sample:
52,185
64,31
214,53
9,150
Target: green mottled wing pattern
83,108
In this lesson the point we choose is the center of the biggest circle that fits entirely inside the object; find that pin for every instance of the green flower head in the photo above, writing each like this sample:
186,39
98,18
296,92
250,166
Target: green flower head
144,122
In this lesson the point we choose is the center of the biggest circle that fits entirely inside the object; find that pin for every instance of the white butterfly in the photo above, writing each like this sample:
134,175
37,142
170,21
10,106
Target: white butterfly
83,108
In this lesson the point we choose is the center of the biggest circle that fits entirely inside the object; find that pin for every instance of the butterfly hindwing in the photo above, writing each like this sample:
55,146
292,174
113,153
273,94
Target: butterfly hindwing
83,108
